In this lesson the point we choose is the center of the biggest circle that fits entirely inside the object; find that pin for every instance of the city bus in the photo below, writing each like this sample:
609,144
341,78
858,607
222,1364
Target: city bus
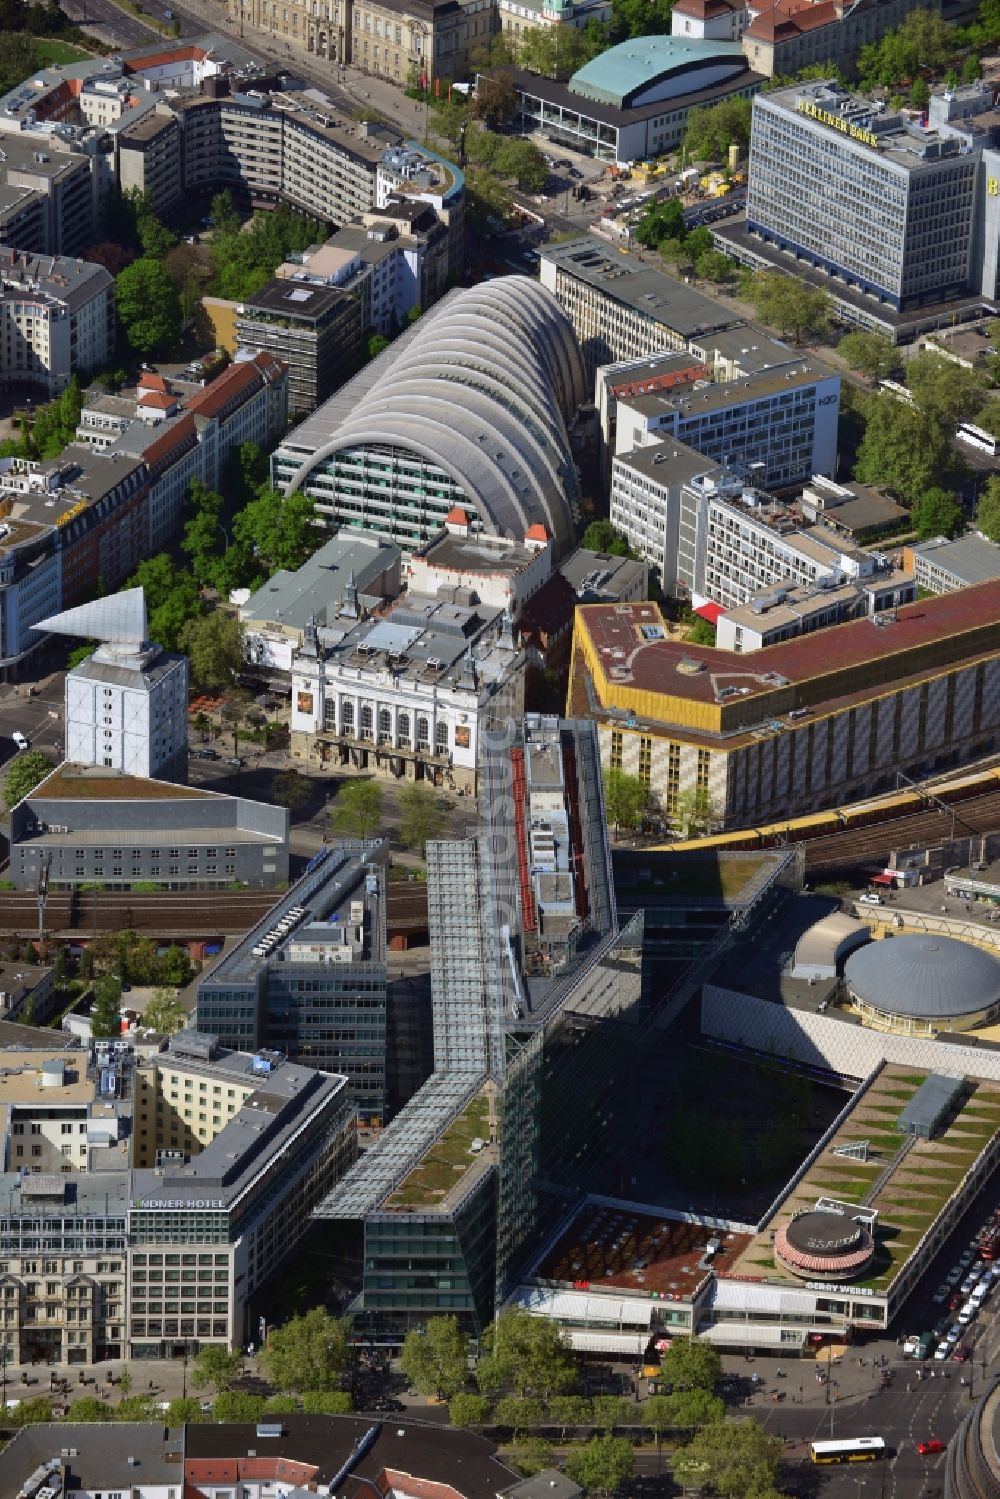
849,1450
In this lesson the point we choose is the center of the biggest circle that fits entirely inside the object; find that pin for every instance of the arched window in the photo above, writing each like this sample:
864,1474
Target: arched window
403,728
347,718
423,733
384,726
366,721
441,737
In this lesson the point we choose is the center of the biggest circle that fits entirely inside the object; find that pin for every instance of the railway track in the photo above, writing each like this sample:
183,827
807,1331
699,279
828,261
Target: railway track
872,843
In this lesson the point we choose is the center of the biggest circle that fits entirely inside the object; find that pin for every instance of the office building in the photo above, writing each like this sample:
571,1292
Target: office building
150,158
776,426
57,319
784,610
910,690
27,993
407,694
515,18
633,100
620,308
600,578
86,825
315,330
942,566
47,193
535,999
350,576
126,705
496,376
461,565
309,979
884,206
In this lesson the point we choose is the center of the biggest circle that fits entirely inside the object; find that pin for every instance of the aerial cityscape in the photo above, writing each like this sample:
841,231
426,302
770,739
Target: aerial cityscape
500,749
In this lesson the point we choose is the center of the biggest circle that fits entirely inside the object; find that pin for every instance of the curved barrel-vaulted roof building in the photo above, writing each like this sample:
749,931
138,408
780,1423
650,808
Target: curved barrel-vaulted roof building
470,407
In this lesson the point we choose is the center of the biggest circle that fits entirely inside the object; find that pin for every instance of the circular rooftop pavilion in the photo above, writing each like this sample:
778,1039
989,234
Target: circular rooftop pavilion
919,984
822,1245
648,69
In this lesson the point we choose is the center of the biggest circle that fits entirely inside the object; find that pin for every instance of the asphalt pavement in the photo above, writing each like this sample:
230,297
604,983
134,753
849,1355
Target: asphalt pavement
125,28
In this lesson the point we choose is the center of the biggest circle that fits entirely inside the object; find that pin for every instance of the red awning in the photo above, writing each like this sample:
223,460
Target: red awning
711,612
881,879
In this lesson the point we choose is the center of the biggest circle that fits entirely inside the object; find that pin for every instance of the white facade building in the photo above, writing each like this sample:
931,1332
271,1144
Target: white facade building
126,705
57,316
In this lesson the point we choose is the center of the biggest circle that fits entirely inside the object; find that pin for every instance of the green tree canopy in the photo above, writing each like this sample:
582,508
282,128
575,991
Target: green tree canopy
988,508
601,536
938,513
422,819
308,1353
603,1465
923,40
105,1012
23,775
172,598
327,1403
559,51
527,1353
216,1366
214,646
245,257
280,529
570,1412
531,1455
448,117
465,1409
164,1013
357,809
89,1408
635,18
237,1405
683,1410
522,161
487,196
790,305
869,353
736,1459
901,451
495,102
291,789
518,1413
689,1364
713,129
625,798
149,309
436,1360
663,219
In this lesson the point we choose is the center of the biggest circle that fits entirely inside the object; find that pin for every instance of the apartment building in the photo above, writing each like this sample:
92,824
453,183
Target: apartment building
57,319
801,727
47,203
314,330
621,309
310,978
150,158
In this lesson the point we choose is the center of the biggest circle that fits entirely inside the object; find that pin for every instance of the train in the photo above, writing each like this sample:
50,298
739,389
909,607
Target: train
833,820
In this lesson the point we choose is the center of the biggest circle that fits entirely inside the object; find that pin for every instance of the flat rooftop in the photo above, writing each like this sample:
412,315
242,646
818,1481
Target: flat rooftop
486,556
668,462
445,1165
970,559
916,1188
69,782
628,280
102,1454
309,300
21,1076
692,401
615,1248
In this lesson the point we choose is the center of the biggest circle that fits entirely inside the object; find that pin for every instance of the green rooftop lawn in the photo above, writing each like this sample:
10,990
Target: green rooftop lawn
48,50
700,875
447,1160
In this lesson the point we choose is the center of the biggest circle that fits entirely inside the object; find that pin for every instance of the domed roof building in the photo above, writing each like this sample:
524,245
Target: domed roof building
919,984
824,1245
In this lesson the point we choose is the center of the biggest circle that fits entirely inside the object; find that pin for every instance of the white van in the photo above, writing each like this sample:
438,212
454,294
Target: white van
19,739
967,1313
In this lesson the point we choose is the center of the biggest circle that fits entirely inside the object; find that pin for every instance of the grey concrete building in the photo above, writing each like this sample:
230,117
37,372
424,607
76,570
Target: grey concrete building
47,199
87,825
310,978
942,566
150,158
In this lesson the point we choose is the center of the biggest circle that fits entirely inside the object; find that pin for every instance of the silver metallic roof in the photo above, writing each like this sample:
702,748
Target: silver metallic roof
484,386
925,976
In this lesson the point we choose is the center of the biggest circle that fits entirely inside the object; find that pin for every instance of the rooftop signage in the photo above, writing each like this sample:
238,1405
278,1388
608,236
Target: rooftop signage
836,122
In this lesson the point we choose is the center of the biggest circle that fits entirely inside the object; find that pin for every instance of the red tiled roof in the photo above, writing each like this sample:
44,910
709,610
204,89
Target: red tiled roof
157,400
536,532
660,382
160,59
712,612
236,384
789,18
181,435
456,517
151,381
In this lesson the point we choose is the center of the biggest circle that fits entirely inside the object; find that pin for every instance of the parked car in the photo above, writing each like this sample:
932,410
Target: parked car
954,1276
962,1354
930,1447
206,754
237,761
941,1294
967,1313
19,739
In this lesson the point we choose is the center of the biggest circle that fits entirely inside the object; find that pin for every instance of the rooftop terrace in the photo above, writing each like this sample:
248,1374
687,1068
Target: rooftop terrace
447,1162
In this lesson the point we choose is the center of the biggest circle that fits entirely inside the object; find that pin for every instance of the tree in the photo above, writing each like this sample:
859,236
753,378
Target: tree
923,40
701,631
610,1411
422,818
988,510
789,304
173,967
164,1013
281,529
148,306
487,198
214,647
938,513
465,1409
570,1412
182,1411
224,213
215,1365
901,450
30,1412
233,713
89,1408
282,1405
23,776
734,1458
662,220
869,353
528,1353
105,1012
625,798
518,1413
291,789
523,161
712,130
155,239
172,598
436,1361
236,1405
449,116
532,1455
555,51
943,390
357,810
495,102
327,1403
683,1410
307,1353
134,1408
689,1364
713,265
601,536
603,1465
375,345
635,18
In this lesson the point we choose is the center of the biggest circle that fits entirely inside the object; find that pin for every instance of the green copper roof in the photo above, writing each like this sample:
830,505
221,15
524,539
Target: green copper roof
632,65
